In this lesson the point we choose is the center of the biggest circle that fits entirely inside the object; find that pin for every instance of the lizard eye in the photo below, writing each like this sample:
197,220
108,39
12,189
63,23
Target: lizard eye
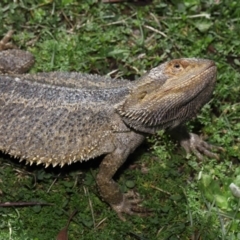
177,65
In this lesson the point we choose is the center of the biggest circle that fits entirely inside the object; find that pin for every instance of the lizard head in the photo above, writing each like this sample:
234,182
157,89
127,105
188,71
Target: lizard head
169,94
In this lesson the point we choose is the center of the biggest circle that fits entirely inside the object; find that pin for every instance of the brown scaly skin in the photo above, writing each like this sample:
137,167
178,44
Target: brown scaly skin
59,118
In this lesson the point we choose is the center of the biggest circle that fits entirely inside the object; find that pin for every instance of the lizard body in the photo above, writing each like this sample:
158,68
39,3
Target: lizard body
58,118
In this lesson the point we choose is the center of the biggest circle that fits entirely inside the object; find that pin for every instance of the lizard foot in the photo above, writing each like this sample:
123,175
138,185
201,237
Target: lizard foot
130,206
199,147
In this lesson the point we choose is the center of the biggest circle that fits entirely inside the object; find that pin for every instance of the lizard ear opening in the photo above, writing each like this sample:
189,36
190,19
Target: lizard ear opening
141,95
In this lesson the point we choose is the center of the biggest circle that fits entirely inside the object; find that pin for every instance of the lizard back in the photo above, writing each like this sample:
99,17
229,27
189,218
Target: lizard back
58,120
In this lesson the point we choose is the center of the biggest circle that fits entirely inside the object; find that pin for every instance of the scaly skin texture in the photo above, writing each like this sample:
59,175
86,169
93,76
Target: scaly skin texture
59,118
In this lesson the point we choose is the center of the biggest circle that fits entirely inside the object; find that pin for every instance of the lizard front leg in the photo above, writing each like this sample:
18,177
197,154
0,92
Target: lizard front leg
193,143
108,188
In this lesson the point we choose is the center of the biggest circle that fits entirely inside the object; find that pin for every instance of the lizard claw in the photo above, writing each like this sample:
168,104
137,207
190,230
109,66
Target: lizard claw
199,147
130,206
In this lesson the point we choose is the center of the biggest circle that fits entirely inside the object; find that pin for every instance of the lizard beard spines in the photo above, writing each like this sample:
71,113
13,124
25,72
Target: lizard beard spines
163,113
135,117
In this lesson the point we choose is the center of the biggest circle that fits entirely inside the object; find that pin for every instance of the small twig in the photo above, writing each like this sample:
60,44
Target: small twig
161,190
155,19
24,204
103,220
155,30
66,18
116,23
53,183
206,15
90,205
123,21
113,72
70,218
